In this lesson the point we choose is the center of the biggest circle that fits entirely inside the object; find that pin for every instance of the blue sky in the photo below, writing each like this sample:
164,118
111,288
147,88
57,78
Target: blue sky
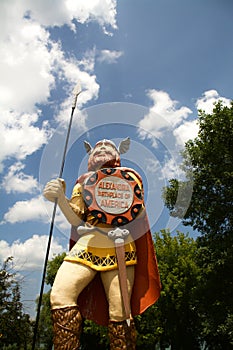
145,68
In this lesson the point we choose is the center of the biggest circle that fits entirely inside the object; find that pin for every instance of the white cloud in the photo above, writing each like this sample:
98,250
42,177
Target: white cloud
167,124
164,115
69,70
102,11
30,63
19,136
64,12
167,108
171,169
26,63
186,131
60,12
36,209
29,254
102,56
88,60
28,57
17,181
108,56
208,99
26,66
28,210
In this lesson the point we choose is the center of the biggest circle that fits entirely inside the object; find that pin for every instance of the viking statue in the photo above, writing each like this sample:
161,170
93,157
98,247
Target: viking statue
110,273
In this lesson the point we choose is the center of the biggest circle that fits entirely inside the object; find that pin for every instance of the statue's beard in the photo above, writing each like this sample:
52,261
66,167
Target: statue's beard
103,161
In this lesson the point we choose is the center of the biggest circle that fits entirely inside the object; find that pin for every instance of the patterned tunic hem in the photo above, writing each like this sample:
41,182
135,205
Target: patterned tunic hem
100,263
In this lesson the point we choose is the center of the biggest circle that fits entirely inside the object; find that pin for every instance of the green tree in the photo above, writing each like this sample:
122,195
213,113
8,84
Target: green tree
208,162
45,333
173,320
53,266
15,325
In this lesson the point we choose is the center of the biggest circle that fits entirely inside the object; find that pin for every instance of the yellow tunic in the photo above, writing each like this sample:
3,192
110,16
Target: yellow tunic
94,248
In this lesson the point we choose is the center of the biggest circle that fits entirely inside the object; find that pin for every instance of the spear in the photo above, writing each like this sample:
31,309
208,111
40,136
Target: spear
76,92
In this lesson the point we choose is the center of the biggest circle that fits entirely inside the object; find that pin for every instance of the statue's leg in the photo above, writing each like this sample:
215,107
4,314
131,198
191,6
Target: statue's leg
121,335
70,280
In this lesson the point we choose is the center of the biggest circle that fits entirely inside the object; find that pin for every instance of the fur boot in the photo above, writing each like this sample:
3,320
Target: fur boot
122,336
67,327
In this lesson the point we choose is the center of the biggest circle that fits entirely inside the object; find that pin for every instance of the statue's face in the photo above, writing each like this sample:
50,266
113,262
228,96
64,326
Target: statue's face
103,155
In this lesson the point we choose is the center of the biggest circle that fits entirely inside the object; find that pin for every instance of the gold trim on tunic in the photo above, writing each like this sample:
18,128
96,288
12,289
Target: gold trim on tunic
102,255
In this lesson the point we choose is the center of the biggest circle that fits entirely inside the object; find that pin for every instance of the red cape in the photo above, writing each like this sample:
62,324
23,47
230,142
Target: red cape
146,290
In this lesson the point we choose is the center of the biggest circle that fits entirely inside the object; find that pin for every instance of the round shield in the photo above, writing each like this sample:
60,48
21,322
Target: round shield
113,196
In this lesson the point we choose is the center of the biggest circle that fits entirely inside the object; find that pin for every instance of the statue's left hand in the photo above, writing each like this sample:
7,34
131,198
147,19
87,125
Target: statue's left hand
54,189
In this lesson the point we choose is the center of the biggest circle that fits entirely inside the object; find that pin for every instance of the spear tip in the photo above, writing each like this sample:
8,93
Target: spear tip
77,90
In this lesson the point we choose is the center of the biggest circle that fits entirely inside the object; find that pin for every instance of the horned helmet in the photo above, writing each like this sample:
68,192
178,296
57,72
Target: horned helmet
105,154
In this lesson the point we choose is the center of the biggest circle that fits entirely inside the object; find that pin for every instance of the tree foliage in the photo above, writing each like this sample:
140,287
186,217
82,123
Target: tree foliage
15,325
208,162
45,332
173,320
53,266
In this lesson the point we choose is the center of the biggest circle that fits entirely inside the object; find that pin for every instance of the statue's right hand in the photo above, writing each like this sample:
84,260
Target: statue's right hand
54,189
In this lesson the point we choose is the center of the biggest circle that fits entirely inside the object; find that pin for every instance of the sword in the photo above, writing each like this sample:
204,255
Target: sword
119,236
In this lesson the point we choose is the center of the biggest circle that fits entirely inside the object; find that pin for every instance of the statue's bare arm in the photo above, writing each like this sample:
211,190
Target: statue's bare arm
53,190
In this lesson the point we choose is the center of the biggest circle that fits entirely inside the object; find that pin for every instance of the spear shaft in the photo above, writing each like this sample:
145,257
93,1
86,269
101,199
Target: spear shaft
77,91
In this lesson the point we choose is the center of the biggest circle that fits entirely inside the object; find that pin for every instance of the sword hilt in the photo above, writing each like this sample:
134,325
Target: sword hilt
118,235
